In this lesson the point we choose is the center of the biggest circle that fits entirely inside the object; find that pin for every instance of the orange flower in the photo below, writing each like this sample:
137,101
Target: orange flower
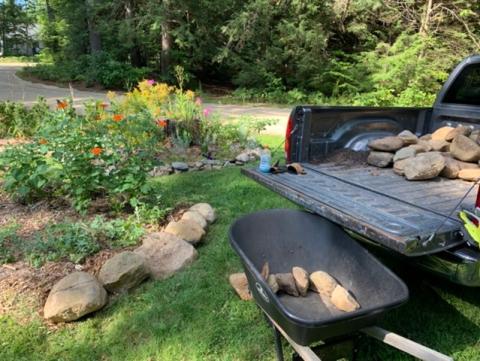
62,104
162,123
43,141
117,117
96,151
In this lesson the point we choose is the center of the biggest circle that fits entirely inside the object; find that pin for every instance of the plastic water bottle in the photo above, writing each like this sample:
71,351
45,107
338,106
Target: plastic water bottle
265,159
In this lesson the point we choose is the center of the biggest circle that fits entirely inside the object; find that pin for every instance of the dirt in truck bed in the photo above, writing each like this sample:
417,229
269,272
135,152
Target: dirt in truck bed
345,157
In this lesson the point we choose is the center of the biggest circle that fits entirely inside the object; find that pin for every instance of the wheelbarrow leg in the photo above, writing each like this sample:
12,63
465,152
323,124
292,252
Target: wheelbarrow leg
278,340
278,344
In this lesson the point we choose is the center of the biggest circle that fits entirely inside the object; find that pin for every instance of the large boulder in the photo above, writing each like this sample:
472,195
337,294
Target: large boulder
465,149
404,153
441,133
123,271
166,254
424,166
469,174
196,217
408,137
74,296
380,159
386,144
187,230
452,168
460,130
206,210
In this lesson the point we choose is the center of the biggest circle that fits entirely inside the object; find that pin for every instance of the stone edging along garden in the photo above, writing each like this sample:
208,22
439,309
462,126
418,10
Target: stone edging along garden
160,256
206,164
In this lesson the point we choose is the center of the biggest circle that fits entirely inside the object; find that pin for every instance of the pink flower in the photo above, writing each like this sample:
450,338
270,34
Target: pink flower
150,81
198,101
206,112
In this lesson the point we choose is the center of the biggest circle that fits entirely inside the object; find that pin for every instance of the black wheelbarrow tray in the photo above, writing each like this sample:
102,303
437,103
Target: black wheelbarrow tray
288,238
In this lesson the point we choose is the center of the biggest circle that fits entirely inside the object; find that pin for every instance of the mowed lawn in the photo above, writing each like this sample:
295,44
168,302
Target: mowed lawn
196,316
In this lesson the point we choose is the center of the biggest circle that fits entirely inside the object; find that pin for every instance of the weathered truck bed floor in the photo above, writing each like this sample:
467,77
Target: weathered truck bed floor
378,204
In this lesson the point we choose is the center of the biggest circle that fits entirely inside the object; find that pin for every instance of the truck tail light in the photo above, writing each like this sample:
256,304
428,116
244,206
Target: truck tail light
288,137
477,202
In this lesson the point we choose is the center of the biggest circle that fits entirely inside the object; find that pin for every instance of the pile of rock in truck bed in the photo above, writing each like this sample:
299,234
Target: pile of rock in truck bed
448,152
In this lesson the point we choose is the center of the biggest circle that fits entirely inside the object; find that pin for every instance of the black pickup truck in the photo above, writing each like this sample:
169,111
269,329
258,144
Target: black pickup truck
414,220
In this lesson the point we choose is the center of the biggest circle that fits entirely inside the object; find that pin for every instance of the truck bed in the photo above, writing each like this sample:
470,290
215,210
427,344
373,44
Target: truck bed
378,204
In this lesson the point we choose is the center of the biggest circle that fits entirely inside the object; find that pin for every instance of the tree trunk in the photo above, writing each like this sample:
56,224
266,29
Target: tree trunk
136,56
166,46
93,35
425,23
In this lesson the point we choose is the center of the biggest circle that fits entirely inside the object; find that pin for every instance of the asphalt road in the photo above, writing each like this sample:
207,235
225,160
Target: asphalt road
16,89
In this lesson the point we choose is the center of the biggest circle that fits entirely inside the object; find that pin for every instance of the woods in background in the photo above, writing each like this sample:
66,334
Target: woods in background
370,52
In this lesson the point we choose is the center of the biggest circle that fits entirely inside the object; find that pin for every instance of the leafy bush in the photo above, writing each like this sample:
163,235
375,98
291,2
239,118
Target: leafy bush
83,159
16,120
95,69
69,241
76,241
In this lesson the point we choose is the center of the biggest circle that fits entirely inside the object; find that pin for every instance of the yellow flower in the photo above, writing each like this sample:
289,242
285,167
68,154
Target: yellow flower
190,94
111,95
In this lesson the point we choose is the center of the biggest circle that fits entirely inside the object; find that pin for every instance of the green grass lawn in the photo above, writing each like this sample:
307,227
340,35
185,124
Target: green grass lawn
195,315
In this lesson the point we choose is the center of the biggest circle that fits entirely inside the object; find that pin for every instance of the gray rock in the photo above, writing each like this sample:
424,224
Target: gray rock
386,144
123,271
166,254
74,296
460,130
467,165
426,137
228,164
422,146
181,166
469,174
380,159
404,153
465,149
196,217
206,210
198,164
452,168
475,136
441,133
187,230
243,157
424,166
408,137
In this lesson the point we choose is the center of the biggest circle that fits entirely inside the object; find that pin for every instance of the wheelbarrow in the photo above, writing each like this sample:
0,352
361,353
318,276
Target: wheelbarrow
287,238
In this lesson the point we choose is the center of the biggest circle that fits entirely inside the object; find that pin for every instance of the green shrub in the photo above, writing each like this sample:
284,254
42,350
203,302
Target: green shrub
16,120
64,241
83,160
8,243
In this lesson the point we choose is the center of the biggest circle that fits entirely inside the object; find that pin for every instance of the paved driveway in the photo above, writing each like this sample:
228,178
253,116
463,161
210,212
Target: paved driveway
16,89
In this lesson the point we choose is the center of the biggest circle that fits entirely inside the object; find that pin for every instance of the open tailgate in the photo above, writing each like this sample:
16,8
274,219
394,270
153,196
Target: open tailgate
378,204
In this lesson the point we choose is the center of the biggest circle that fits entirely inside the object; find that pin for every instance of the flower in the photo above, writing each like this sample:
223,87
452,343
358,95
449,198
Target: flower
117,117
198,101
62,104
206,112
103,105
162,123
150,81
96,151
43,141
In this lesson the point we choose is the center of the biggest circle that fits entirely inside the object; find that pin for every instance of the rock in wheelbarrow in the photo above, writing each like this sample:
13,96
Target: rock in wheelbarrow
343,300
239,283
301,280
321,282
286,283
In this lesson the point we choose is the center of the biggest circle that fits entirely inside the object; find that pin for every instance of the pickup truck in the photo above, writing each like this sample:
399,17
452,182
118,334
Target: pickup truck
414,220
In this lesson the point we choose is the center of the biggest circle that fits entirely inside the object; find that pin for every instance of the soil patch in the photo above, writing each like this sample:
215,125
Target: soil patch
346,157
